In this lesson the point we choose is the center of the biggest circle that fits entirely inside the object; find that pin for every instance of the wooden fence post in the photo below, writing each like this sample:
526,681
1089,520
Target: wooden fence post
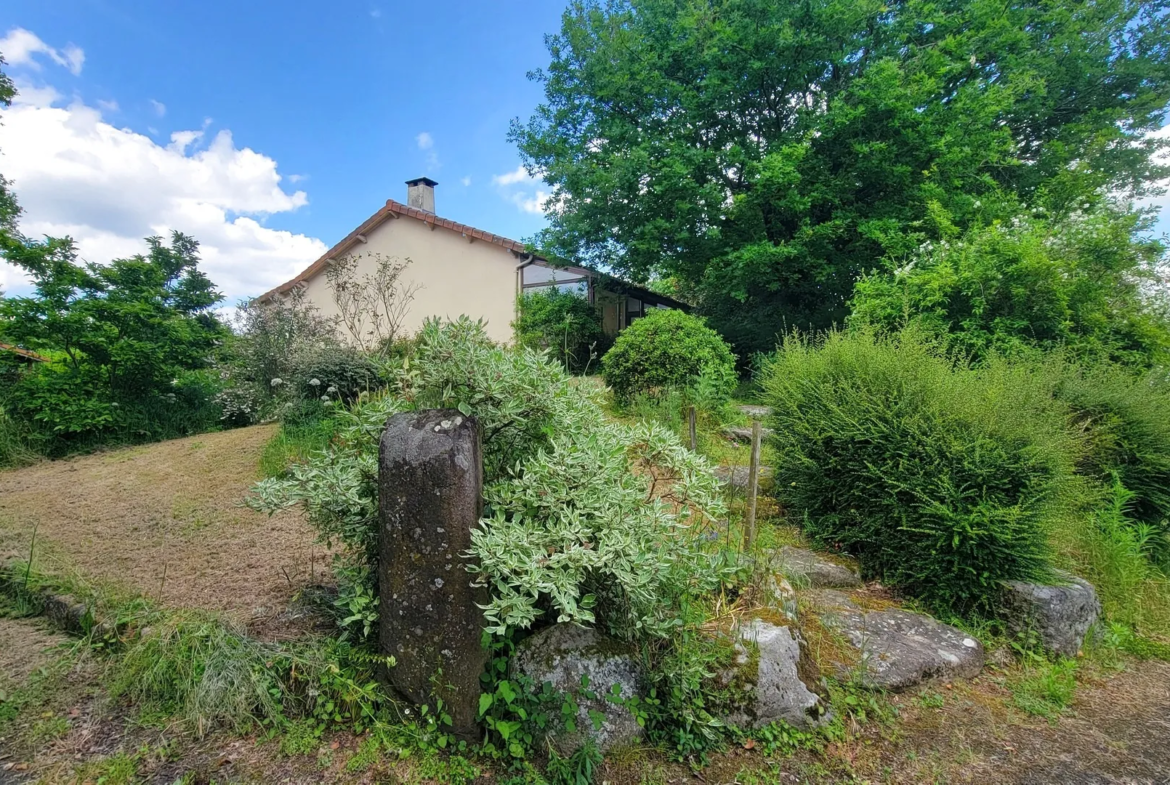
691,422
749,522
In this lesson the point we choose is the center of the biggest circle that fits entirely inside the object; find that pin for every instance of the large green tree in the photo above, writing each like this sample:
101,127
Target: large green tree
123,338
766,153
9,209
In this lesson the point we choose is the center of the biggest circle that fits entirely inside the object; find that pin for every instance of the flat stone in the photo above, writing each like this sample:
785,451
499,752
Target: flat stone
430,478
1059,615
562,655
897,649
817,572
738,434
756,412
737,476
777,685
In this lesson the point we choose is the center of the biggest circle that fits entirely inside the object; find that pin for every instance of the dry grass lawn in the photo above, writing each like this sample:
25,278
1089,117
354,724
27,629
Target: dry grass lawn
166,521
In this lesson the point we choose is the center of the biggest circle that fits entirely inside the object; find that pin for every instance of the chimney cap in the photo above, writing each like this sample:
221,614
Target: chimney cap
423,181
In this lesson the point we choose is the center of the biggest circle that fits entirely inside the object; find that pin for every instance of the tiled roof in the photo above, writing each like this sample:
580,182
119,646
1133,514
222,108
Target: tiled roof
392,210
7,347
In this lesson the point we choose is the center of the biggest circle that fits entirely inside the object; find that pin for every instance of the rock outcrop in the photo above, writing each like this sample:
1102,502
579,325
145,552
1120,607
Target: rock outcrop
897,649
1058,615
562,655
808,569
774,672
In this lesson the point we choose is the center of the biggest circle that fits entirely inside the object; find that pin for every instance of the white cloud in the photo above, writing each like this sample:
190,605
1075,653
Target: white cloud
20,46
534,204
107,106
466,181
376,13
519,175
108,188
426,143
523,190
28,94
159,107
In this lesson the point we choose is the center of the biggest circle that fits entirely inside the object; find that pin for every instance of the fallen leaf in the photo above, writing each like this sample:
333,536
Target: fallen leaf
334,745
749,744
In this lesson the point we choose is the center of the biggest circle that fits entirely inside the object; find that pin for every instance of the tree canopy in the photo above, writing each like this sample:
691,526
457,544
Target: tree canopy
124,333
767,153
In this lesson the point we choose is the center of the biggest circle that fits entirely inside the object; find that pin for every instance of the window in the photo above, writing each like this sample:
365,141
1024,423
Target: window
634,310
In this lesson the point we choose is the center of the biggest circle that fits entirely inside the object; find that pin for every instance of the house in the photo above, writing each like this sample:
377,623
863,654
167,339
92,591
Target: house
457,269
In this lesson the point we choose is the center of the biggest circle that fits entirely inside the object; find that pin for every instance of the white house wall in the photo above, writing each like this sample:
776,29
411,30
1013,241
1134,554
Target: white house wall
456,277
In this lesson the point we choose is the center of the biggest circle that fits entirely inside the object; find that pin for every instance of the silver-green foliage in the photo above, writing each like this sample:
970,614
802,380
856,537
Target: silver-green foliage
597,520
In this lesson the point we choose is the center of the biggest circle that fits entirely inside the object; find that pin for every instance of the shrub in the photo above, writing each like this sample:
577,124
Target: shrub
1077,282
668,348
613,501
1127,419
942,480
564,323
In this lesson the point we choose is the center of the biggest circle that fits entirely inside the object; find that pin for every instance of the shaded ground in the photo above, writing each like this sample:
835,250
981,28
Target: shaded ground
166,521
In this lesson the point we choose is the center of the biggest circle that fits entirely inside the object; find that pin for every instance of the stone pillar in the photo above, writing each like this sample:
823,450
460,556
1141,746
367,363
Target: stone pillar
430,481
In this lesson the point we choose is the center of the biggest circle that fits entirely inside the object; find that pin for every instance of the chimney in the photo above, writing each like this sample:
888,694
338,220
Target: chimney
420,193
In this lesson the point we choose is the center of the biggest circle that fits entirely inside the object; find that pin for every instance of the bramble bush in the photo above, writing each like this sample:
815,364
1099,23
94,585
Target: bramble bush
564,323
668,349
942,480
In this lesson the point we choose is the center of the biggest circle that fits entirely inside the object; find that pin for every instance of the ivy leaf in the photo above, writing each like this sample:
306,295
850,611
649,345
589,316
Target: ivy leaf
485,703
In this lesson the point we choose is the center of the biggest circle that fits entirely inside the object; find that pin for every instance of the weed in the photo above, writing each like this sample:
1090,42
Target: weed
48,729
452,770
1047,689
119,769
577,769
368,753
931,700
300,737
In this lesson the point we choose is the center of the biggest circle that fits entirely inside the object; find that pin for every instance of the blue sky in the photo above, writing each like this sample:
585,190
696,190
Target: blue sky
266,130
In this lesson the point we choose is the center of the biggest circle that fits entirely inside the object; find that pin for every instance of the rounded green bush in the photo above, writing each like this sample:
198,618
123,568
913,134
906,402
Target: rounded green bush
943,481
667,349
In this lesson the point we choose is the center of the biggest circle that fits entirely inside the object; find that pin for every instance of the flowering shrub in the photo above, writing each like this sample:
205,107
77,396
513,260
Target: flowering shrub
591,518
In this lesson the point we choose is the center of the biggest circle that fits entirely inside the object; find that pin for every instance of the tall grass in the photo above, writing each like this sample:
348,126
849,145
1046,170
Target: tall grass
295,443
15,449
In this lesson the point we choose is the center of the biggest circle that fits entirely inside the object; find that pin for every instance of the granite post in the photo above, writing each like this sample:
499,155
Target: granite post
430,482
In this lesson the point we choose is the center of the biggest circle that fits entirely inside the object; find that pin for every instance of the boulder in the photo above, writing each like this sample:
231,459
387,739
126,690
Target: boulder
737,476
774,669
809,569
1059,615
562,655
737,434
896,649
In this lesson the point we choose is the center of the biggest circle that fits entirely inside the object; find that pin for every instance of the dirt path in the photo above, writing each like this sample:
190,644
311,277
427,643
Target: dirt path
164,520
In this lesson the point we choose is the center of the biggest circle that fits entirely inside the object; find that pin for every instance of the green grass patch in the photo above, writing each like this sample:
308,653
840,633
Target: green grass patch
1046,689
294,444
